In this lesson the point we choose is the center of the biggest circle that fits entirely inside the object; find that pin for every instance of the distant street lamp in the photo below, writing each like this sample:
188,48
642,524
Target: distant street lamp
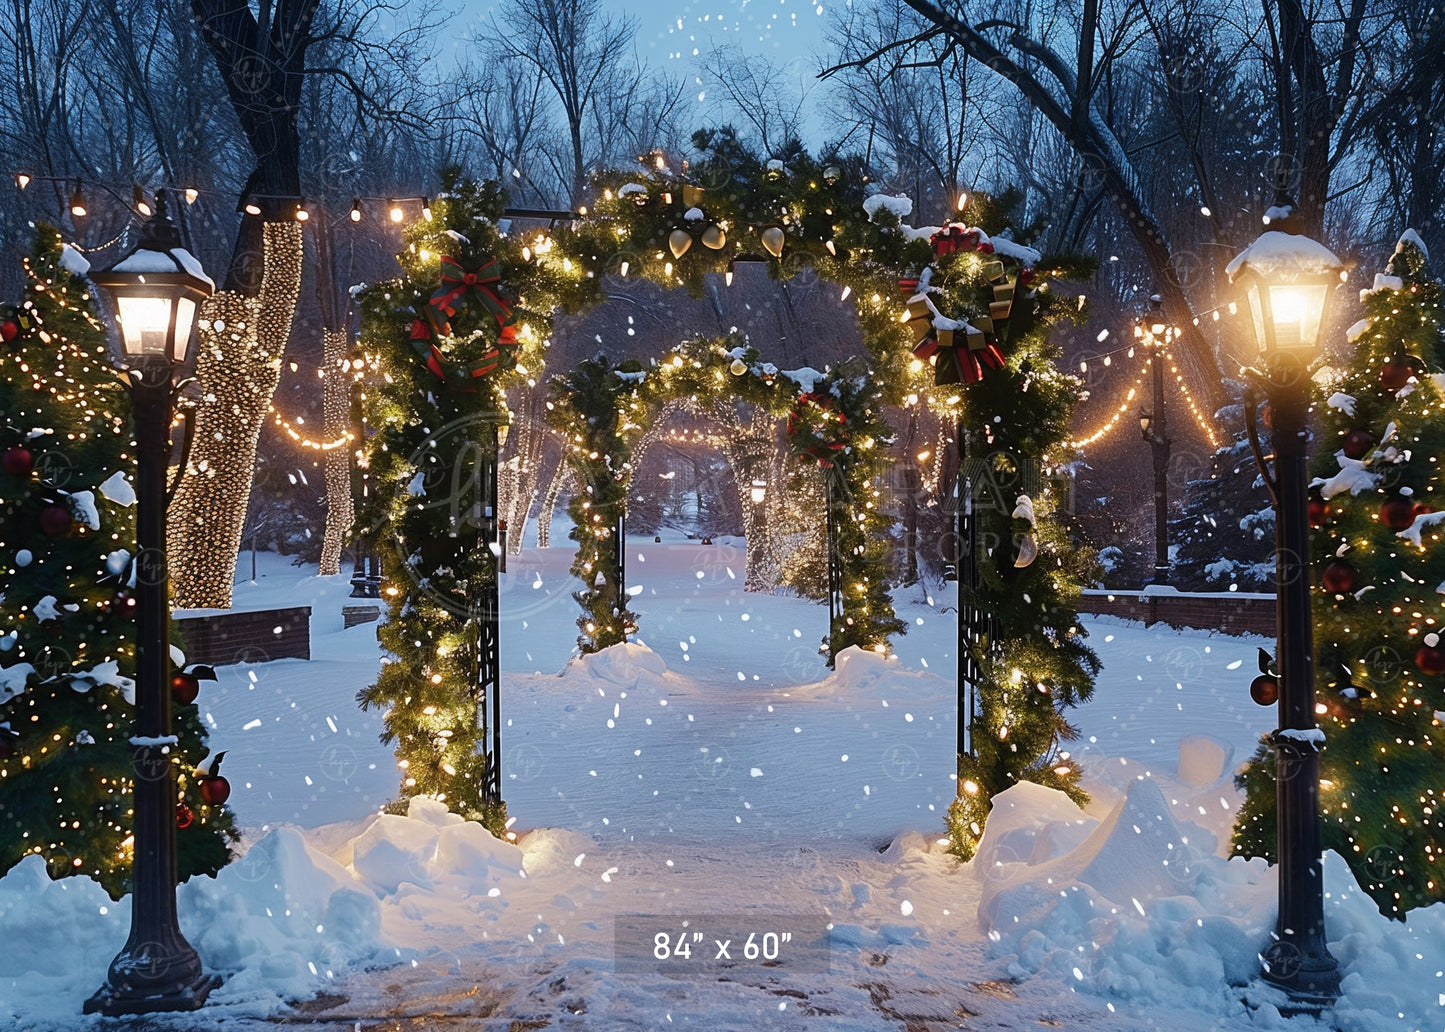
1289,279
155,290
1153,425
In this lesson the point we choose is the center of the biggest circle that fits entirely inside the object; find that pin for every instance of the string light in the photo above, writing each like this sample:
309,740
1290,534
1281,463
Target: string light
1194,409
1113,420
300,438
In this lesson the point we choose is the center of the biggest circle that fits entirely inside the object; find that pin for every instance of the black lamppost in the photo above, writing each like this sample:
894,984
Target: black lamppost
155,290
1289,279
1154,426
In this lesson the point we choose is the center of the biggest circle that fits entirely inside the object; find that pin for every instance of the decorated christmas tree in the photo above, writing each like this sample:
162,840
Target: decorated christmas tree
1379,570
67,630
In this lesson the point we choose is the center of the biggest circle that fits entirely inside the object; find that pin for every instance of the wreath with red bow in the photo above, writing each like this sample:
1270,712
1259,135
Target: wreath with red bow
960,349
459,288
817,429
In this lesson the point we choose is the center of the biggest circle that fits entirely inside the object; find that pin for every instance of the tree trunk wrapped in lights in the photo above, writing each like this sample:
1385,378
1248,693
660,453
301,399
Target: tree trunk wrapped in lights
336,411
238,364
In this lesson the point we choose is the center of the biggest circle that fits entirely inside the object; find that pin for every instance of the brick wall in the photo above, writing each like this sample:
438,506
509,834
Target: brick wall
247,637
1231,613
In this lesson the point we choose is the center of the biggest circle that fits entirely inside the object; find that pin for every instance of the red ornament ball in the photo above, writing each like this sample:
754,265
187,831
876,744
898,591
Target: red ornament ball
1398,512
185,816
1358,443
215,790
1395,373
1264,690
1319,510
1430,659
55,520
1338,577
9,330
184,688
18,462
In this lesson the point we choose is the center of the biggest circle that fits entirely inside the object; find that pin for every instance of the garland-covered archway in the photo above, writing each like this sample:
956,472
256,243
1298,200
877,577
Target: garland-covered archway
834,421
940,309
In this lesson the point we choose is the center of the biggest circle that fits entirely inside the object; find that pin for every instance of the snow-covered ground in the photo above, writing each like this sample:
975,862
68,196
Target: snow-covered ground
715,772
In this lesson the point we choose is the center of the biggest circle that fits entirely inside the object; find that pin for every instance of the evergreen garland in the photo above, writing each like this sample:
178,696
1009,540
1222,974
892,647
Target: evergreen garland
598,409
67,622
1033,662
431,426
1378,566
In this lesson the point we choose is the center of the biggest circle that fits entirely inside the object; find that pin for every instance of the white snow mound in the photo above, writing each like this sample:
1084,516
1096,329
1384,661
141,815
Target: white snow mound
623,664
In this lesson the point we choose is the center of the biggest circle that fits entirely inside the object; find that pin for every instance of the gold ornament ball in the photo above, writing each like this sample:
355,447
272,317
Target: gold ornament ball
678,241
714,237
738,367
773,240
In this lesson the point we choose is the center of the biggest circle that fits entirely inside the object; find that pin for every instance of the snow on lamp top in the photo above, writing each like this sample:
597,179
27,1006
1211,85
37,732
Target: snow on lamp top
1288,278
155,289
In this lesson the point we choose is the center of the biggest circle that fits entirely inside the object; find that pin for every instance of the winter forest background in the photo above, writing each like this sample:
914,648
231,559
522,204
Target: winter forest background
1148,135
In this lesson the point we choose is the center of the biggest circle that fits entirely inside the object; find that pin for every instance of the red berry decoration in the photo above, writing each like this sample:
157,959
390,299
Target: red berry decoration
1398,512
1395,373
18,462
1430,657
215,790
1264,690
185,816
55,520
1339,577
184,687
1319,510
1358,443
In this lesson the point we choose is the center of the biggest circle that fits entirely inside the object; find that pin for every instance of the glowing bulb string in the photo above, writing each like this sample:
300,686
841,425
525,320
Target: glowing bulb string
1194,409
1113,420
281,421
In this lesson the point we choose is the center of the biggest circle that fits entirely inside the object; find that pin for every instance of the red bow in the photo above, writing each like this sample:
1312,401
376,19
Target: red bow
458,284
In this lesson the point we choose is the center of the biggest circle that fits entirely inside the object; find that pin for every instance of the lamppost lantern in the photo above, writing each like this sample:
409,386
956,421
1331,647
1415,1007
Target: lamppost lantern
1288,280
1146,422
155,289
758,491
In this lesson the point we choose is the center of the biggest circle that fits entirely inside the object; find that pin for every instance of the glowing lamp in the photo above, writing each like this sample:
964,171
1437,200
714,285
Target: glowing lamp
154,290
1288,279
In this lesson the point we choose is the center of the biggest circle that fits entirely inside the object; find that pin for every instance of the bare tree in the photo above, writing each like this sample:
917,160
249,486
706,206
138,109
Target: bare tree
758,95
1064,71
577,48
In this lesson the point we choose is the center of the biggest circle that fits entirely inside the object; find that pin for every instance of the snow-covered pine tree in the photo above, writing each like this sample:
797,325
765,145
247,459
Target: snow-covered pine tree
67,629
1224,531
1379,571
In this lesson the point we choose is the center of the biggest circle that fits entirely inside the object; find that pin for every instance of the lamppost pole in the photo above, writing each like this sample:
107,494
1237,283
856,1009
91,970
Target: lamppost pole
1155,427
1289,278
1299,959
156,288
